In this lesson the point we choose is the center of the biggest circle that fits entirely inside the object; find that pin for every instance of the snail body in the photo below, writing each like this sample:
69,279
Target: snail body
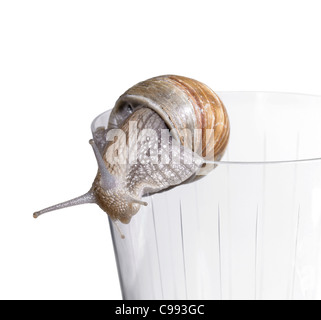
198,127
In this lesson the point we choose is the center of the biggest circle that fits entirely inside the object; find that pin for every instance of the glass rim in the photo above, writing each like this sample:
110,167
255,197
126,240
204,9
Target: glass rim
247,163
270,92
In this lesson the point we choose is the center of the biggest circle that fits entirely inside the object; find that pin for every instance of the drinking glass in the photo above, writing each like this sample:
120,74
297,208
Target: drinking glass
248,230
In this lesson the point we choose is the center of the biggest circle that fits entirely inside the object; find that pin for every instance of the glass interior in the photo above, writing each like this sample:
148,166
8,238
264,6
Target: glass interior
273,126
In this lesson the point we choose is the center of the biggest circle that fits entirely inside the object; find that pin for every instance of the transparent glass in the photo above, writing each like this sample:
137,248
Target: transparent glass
250,229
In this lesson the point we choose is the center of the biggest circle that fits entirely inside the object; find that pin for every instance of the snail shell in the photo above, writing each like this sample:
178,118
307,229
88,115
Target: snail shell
199,133
182,103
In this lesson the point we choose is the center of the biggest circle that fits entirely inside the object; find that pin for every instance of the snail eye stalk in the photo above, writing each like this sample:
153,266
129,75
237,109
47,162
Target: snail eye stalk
88,197
107,180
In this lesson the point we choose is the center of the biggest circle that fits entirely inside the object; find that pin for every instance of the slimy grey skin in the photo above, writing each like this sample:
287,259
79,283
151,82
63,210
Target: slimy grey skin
167,102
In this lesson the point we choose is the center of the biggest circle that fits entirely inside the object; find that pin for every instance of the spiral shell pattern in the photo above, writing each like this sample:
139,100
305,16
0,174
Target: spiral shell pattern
182,103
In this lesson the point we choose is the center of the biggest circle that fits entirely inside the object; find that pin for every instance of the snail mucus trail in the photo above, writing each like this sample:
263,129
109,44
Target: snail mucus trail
162,132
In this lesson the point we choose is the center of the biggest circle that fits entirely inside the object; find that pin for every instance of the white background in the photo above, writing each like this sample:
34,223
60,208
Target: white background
64,62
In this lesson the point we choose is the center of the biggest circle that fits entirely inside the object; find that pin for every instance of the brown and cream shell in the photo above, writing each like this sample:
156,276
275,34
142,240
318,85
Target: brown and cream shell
182,103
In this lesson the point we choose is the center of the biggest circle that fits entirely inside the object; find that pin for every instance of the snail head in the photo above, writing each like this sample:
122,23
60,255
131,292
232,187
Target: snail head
107,192
111,194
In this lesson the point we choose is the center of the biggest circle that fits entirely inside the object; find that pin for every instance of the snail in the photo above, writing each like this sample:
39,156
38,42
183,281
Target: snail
199,133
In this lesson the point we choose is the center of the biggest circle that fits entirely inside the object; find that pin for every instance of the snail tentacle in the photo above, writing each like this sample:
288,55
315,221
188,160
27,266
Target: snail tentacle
134,200
107,180
118,229
88,197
